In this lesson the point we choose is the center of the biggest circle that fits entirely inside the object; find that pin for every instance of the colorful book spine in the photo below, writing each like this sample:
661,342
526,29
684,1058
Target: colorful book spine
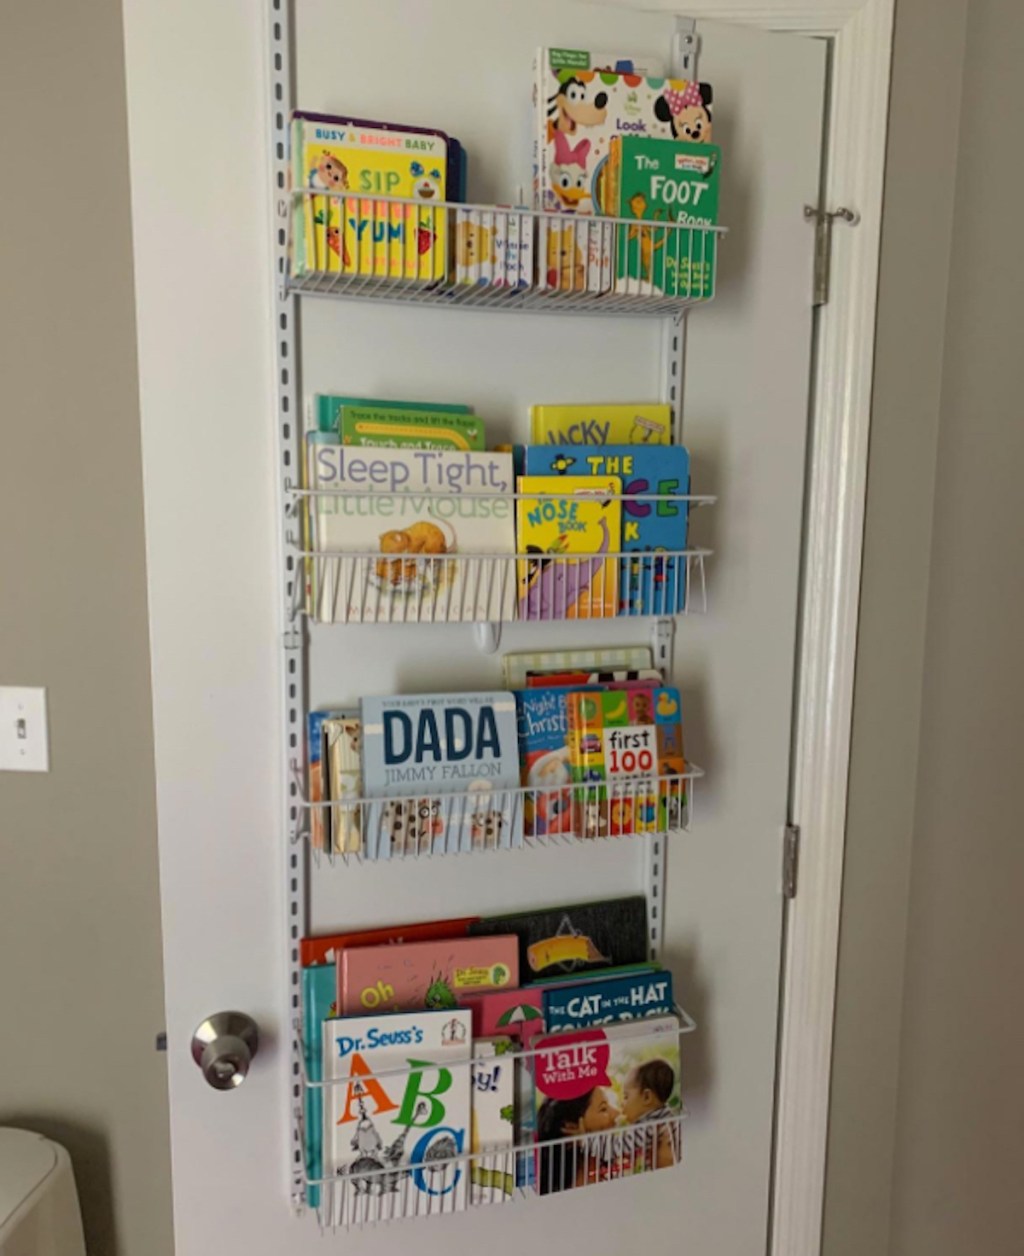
583,517
419,749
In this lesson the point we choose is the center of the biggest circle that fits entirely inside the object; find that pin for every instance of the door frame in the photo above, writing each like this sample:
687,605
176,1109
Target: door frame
860,32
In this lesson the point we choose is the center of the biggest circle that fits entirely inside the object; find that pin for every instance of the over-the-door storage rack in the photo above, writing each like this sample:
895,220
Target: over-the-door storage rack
669,312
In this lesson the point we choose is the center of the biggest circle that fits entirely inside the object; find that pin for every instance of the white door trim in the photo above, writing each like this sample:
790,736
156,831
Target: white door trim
861,35
861,31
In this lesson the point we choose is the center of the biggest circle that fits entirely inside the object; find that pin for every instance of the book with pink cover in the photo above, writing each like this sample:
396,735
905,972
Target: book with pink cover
512,1013
431,975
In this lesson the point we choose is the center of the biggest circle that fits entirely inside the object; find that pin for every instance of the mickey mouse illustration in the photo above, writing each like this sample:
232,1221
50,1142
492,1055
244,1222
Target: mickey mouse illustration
687,112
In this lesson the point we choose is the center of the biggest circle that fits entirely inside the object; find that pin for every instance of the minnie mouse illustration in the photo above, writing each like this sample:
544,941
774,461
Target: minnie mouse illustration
687,112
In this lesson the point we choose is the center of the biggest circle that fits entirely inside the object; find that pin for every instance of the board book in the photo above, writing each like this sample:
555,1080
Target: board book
342,771
493,247
421,748
631,1073
379,427
563,941
629,423
664,182
544,757
606,1002
326,410
391,1138
493,1120
576,680
514,1014
647,586
516,665
355,234
616,738
430,975
326,949
396,518
319,1002
585,520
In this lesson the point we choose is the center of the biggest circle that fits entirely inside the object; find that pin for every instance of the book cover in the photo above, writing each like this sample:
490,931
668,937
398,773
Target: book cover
423,428
342,736
577,112
493,247
420,748
664,182
316,778
577,680
612,739
647,585
326,949
325,410
312,568
424,975
357,235
516,665
630,423
398,518
576,938
493,1124
319,1003
616,1091
553,585
544,757
607,1002
512,1014
394,1139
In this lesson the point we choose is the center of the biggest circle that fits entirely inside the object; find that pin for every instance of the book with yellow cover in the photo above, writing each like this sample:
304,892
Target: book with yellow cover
586,521
640,423
357,235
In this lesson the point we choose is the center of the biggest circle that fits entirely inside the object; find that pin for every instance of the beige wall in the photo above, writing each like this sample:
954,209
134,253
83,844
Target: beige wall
928,1107
81,995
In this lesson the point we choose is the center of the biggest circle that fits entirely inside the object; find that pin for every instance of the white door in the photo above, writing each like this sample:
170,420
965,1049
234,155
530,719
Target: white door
203,236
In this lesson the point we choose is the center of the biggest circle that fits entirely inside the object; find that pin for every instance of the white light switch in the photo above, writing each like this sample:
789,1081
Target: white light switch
24,745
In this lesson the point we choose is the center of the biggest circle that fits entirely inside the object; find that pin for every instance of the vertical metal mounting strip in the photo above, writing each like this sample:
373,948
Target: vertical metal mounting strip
657,851
685,48
673,352
289,435
663,633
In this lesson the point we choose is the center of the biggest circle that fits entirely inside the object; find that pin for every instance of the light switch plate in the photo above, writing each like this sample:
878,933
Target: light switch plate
24,743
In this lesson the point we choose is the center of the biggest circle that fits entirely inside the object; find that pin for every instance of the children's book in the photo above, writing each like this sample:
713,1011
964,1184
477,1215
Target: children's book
317,776
664,183
398,518
632,423
577,938
420,749
516,666
326,949
578,109
585,520
326,409
575,680
647,585
394,1140
422,428
544,756
607,1002
631,1075
430,975
355,234
616,737
493,1125
494,247
512,1014
319,1002
342,736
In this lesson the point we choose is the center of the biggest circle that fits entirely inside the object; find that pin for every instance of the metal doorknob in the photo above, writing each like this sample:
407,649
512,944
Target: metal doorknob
223,1046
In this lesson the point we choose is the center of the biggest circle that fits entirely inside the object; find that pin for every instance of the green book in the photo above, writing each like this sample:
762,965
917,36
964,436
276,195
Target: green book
328,407
420,428
665,181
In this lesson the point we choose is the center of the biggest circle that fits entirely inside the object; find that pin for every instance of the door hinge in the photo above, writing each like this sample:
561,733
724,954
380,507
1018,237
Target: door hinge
823,220
790,860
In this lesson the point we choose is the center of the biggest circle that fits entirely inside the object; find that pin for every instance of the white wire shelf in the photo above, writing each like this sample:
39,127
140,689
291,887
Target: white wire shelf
495,257
475,821
386,1186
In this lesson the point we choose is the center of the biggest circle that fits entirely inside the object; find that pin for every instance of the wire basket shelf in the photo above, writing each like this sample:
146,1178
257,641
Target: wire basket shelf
474,821
434,1177
495,257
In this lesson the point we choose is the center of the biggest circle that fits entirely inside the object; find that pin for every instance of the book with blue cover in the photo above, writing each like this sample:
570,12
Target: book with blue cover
418,749
544,752
647,585
607,1002
319,1003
